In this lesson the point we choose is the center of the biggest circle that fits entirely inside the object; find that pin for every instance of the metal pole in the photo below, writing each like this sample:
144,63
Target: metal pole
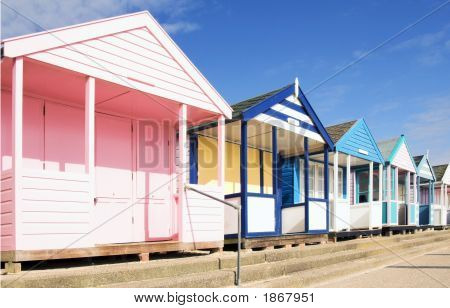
238,262
238,208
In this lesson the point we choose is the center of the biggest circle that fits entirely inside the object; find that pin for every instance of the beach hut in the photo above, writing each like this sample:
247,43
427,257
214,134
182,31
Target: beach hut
442,194
94,144
425,188
263,135
400,206
355,181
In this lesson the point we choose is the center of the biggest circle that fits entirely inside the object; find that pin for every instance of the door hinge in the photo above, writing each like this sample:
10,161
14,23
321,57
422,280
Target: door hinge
43,109
132,220
131,127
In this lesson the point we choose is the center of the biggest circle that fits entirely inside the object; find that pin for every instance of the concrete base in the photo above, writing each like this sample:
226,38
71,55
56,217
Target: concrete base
13,267
144,257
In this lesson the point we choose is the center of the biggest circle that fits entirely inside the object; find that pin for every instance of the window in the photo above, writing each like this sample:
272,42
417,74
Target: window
320,182
376,186
340,183
311,178
401,188
362,186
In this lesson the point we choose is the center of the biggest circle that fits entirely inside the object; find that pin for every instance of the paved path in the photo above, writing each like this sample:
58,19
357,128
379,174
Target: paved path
431,270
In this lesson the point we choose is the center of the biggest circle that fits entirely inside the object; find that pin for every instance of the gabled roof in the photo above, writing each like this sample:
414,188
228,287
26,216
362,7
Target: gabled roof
181,81
418,159
286,107
240,107
354,138
424,168
338,130
387,146
396,152
440,171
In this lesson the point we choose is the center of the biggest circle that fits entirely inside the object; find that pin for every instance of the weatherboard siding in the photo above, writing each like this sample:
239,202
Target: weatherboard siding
7,212
55,210
357,142
135,59
403,159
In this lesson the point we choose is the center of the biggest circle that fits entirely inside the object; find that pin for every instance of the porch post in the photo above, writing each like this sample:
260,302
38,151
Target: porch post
221,152
396,184
415,188
244,174
348,178
335,188
326,190
89,128
183,167
380,183
388,193
429,192
442,201
306,166
419,197
370,192
408,195
275,180
17,140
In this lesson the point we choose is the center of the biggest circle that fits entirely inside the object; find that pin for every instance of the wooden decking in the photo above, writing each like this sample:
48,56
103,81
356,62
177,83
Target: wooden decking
105,250
351,234
279,241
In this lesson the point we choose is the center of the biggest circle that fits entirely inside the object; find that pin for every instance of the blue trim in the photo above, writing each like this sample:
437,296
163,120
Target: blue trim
306,166
253,111
284,206
293,106
318,199
193,159
283,117
229,196
244,179
315,119
275,180
261,171
326,183
355,139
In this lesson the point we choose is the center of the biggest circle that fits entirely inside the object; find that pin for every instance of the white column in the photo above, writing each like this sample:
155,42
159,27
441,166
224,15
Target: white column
388,193
221,152
380,183
371,182
370,193
408,187
442,201
335,188
89,126
17,139
408,196
415,188
183,168
396,184
348,176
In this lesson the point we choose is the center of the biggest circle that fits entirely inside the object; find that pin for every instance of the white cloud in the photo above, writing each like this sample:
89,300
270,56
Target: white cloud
42,15
181,27
431,48
429,128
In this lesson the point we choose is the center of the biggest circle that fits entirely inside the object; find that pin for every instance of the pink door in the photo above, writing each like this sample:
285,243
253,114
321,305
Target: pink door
153,181
113,178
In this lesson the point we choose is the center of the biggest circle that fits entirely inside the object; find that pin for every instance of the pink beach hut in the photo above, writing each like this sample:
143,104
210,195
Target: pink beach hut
94,150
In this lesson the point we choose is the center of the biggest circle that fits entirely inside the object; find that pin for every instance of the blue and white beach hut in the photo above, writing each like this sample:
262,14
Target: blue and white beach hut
261,136
426,181
400,206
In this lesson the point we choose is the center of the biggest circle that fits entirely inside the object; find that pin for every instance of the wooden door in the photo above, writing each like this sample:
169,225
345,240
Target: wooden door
153,179
113,213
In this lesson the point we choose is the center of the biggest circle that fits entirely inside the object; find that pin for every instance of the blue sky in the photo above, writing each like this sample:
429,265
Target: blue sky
248,47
